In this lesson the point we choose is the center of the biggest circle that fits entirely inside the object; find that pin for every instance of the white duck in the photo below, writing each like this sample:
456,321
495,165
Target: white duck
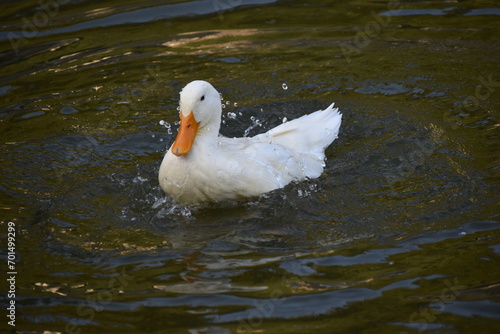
203,166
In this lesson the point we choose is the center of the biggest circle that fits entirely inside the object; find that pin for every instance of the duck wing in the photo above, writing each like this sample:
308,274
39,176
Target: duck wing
310,134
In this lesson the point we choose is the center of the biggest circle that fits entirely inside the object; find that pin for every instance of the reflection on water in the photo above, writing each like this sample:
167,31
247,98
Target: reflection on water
399,234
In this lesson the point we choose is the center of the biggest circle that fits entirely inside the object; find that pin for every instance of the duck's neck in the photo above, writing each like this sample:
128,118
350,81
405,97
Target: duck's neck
207,135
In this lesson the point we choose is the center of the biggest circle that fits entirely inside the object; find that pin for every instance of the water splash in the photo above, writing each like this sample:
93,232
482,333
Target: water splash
255,123
139,179
159,202
302,193
167,126
175,210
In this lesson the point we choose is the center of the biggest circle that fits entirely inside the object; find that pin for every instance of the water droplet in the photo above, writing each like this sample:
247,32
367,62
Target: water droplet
284,86
285,119
235,104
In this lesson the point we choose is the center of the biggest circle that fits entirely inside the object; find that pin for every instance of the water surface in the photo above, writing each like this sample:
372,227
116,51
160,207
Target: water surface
399,235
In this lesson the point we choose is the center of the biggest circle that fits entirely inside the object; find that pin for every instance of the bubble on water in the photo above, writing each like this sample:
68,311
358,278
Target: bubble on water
231,115
221,98
179,108
240,113
228,102
235,104
284,86
68,110
285,119
252,118
162,122
223,106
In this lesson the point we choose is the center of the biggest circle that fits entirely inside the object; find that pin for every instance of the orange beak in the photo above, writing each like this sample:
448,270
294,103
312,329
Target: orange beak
186,135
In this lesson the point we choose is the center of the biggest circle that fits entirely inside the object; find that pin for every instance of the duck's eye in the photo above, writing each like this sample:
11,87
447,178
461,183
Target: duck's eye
202,98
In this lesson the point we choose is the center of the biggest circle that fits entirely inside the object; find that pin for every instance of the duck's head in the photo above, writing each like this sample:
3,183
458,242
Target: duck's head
200,108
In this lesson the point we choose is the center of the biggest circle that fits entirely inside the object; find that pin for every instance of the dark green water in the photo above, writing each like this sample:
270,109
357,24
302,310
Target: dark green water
399,235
